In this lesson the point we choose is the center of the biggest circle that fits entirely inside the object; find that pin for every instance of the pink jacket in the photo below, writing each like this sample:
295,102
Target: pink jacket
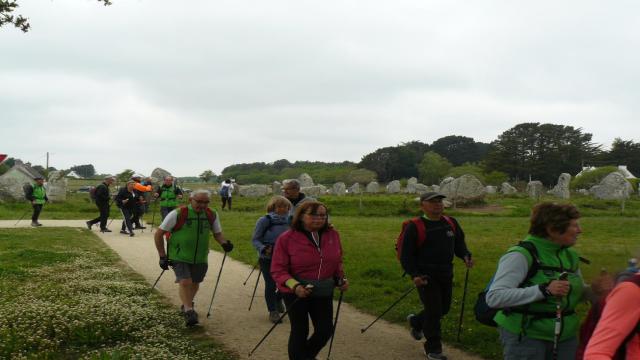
296,256
619,318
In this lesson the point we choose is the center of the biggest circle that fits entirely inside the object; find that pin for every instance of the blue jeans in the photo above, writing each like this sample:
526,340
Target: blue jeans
533,349
270,295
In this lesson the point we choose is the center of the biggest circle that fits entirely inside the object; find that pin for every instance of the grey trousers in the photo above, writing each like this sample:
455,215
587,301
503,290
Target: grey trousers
534,349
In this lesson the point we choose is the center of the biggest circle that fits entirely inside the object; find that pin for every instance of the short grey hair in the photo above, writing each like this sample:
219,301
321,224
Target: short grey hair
107,178
293,182
198,192
168,177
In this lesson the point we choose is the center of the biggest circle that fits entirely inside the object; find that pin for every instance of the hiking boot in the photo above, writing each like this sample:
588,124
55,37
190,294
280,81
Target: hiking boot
89,224
105,230
280,306
132,234
139,227
191,318
274,317
436,356
38,224
124,232
34,224
415,333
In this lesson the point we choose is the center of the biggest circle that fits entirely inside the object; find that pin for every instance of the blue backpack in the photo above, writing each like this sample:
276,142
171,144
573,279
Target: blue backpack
224,191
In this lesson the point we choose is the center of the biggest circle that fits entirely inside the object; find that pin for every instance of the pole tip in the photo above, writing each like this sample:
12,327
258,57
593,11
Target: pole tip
362,331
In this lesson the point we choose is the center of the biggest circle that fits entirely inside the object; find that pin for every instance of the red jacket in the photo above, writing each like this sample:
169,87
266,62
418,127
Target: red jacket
296,256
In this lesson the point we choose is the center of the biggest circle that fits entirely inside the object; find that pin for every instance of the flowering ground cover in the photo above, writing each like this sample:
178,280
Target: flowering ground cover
64,295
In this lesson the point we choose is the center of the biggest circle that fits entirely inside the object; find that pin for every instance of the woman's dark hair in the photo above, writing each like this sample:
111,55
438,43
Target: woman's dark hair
311,208
556,216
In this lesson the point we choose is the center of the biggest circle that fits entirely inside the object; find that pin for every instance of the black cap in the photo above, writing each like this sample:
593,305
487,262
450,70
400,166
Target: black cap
38,178
431,195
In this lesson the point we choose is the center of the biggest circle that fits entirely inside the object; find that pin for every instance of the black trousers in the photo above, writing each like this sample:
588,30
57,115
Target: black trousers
436,301
225,200
270,295
37,208
103,217
127,215
136,214
320,310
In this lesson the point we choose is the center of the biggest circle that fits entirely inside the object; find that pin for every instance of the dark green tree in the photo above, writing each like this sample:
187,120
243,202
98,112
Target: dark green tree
395,162
540,151
623,152
460,149
433,168
85,171
206,175
7,16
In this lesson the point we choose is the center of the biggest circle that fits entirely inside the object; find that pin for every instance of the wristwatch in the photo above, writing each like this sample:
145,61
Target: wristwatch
545,290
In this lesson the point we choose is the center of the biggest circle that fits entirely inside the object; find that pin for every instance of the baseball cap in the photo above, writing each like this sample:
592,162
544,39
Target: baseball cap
431,195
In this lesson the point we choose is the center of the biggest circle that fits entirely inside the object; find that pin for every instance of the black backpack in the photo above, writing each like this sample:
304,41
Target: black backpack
28,191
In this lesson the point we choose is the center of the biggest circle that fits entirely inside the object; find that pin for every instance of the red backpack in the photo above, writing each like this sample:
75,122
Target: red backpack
183,214
590,323
422,232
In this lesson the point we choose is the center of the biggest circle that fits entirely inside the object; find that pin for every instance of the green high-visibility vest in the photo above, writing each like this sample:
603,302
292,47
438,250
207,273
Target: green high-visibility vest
39,194
190,244
537,320
168,197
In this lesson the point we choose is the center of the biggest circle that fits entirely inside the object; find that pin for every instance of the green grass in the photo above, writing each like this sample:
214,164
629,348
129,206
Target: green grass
65,295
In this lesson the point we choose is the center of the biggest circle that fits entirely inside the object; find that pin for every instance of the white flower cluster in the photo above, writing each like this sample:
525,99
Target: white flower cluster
90,308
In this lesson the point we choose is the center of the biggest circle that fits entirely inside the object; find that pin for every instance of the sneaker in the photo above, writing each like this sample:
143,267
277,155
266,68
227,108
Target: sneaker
89,225
415,333
38,224
132,234
436,356
274,317
280,306
139,227
191,318
124,232
34,224
105,230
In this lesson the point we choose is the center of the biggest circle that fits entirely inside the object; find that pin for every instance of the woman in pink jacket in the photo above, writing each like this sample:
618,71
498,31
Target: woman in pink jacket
618,326
308,254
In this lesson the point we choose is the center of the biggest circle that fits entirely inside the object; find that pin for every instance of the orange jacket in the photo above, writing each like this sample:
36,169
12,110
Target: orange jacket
142,188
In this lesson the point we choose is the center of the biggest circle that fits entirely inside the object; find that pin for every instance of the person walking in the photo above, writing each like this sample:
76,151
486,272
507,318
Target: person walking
127,200
430,266
169,194
291,190
309,253
540,322
37,195
265,234
226,192
188,247
102,198
141,189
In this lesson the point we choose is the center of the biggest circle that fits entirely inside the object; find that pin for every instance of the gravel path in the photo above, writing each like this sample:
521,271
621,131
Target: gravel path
238,329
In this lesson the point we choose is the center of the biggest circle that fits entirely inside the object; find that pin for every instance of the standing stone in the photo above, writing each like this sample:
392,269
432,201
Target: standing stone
253,190
466,188
491,189
507,189
315,191
355,189
534,189
421,188
583,191
411,185
14,179
56,187
613,187
305,180
158,175
276,187
373,187
339,189
393,187
435,188
561,189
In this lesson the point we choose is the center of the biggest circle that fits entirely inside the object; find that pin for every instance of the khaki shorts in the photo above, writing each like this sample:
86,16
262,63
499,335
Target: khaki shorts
195,272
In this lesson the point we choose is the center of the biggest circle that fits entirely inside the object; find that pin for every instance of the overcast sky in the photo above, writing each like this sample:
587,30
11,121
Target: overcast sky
197,85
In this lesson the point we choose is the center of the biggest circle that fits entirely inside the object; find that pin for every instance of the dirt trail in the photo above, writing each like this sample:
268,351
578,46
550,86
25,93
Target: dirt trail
238,329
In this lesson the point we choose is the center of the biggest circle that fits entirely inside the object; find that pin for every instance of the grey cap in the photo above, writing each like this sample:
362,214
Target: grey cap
431,195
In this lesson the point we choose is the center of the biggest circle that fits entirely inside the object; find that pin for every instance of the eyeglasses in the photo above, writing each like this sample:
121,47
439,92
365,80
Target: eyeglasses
203,202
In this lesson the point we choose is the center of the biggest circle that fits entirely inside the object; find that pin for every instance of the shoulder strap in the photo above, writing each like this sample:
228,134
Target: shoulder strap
268,226
450,221
211,216
183,214
421,231
535,260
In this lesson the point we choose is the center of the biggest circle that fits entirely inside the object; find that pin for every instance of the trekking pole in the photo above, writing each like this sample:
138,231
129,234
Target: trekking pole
309,287
252,270
254,290
335,324
216,287
21,217
464,296
390,307
156,283
558,322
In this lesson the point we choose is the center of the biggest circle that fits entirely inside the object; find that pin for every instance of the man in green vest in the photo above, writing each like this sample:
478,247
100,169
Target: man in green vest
38,196
188,246
169,194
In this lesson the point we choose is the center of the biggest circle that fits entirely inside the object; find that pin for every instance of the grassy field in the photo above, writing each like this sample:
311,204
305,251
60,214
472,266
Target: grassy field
370,224
64,295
